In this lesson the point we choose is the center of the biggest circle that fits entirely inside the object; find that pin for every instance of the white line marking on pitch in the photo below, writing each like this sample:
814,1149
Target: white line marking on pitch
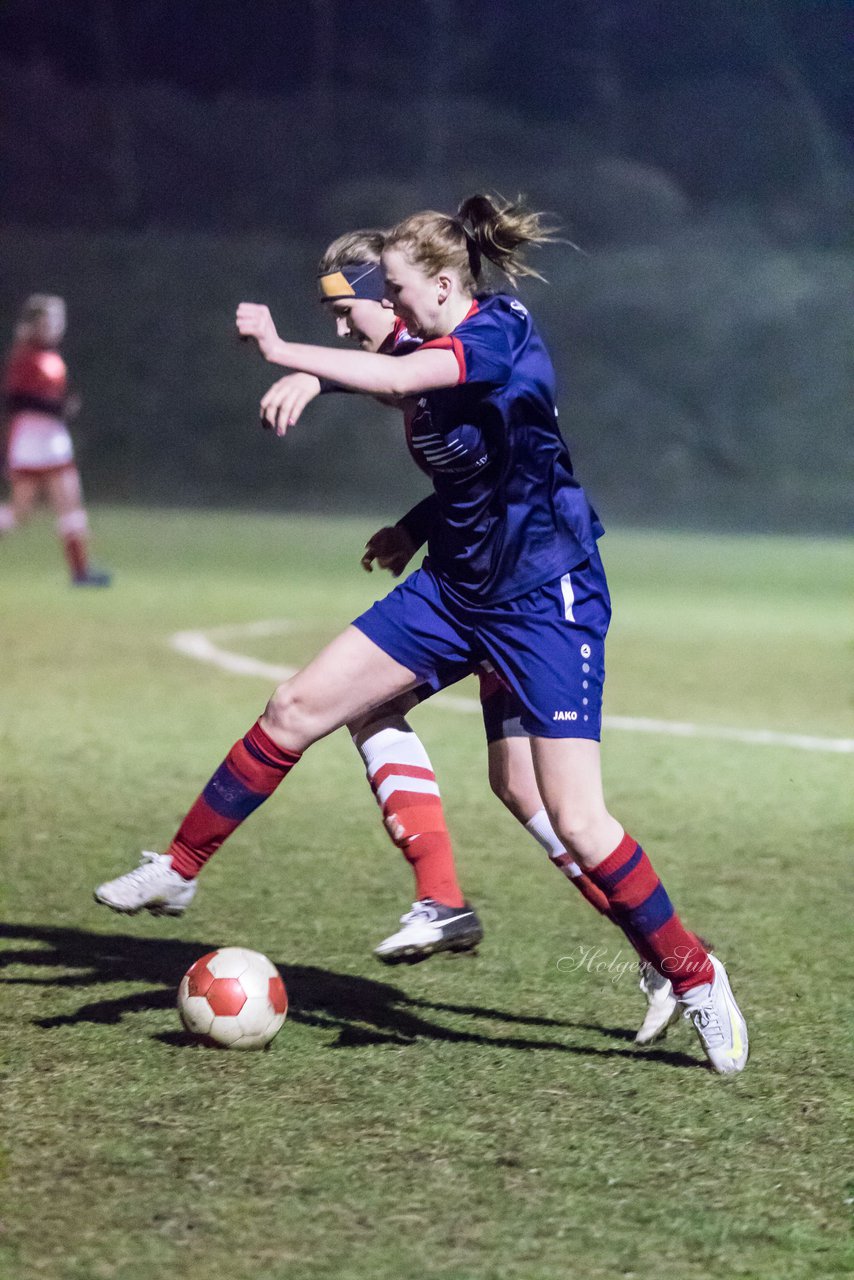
200,645
203,646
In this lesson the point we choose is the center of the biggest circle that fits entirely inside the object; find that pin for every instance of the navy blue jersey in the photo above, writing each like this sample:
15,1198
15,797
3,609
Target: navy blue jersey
511,514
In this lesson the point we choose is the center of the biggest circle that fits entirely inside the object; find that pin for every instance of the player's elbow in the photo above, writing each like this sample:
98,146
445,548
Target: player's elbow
402,382
422,371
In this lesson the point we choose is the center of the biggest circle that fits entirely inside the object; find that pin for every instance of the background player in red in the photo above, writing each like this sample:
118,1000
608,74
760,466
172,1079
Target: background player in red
39,452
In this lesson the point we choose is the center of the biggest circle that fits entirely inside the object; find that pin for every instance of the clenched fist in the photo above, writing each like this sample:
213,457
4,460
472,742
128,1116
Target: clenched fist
254,321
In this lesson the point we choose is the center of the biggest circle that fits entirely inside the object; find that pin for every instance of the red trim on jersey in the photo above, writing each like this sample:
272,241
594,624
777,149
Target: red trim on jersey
41,473
399,331
450,343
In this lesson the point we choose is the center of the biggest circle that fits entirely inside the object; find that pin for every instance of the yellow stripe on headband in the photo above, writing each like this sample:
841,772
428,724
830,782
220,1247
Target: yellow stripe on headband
336,285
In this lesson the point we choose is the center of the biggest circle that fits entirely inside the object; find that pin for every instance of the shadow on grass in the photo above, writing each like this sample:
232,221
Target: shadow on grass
361,1010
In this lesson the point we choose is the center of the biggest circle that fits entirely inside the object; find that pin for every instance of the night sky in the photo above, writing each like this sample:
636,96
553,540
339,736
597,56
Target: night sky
542,57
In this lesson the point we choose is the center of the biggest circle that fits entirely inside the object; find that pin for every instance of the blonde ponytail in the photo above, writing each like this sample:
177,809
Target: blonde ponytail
484,227
501,228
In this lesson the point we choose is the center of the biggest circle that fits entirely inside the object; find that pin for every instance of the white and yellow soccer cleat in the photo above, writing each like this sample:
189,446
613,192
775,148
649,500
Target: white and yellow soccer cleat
718,1022
152,886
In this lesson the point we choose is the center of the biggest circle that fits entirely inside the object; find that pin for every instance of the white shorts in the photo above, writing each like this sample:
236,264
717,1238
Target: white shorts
38,442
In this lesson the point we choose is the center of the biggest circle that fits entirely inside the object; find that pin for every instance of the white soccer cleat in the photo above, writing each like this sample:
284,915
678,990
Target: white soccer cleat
430,927
718,1021
153,885
663,1007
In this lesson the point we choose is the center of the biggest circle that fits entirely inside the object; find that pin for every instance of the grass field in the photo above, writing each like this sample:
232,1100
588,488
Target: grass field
478,1118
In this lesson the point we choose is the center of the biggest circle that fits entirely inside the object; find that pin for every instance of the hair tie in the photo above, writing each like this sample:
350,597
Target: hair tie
472,247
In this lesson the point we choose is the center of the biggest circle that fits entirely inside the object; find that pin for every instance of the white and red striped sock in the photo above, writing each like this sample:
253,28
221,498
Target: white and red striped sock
544,833
405,787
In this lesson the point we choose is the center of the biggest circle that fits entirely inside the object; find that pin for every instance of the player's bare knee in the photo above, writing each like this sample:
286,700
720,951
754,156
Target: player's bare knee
580,834
284,712
294,717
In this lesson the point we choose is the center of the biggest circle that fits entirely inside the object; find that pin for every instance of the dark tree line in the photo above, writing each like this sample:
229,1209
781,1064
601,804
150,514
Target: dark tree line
343,69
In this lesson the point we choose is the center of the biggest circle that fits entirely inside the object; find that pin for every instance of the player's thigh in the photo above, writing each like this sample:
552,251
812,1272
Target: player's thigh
64,491
511,769
512,777
346,679
387,713
569,775
569,778
25,492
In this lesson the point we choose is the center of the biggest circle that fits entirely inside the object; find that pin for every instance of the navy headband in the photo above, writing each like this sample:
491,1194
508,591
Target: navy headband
361,280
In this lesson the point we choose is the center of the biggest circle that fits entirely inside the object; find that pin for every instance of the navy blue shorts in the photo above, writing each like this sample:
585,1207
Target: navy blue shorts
548,646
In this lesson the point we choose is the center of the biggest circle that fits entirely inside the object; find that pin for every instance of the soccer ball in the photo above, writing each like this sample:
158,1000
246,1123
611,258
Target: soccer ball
234,998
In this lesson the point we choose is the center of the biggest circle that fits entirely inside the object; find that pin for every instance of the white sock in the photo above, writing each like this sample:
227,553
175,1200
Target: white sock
544,833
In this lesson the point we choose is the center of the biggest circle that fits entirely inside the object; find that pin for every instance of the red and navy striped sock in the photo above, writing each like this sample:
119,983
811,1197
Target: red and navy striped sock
585,886
250,773
639,904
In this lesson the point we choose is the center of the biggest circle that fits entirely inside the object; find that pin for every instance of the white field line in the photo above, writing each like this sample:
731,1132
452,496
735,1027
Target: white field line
203,646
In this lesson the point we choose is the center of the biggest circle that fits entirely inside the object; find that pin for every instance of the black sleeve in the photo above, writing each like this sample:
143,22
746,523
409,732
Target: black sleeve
327,385
420,520
19,401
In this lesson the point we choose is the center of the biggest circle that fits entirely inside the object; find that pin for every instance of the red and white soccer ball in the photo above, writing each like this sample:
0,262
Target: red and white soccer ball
234,997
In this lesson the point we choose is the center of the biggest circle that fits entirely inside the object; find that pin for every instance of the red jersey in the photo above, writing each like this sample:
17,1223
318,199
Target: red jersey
35,378
35,388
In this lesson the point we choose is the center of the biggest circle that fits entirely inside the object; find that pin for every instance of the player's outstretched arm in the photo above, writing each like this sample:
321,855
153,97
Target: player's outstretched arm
360,370
284,402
